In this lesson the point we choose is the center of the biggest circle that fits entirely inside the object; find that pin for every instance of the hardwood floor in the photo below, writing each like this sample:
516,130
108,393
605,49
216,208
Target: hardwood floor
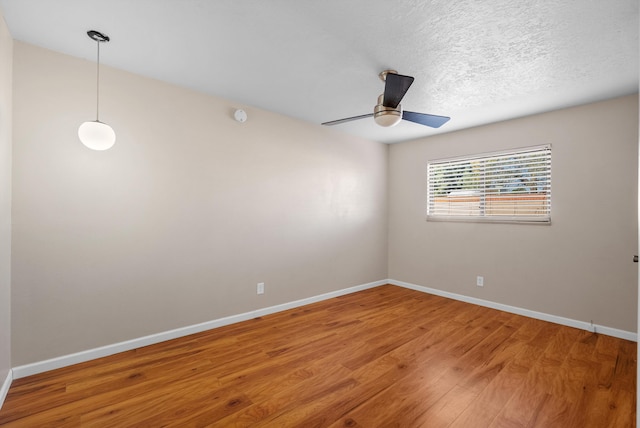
382,357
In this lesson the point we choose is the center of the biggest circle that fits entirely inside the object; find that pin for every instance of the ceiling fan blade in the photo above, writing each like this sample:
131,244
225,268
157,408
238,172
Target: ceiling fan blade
395,86
348,119
425,119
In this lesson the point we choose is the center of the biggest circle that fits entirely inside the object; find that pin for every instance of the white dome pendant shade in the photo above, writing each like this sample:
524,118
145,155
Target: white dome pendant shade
97,135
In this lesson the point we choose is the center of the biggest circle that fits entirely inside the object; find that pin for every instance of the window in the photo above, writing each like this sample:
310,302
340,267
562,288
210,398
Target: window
511,186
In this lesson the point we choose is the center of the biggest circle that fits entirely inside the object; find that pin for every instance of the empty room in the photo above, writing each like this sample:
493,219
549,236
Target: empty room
318,214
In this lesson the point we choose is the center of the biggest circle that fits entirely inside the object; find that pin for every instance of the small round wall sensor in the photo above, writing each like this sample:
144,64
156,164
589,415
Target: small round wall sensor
240,115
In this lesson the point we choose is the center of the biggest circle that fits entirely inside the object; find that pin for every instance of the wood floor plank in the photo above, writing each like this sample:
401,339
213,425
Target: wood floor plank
386,356
521,407
509,372
484,365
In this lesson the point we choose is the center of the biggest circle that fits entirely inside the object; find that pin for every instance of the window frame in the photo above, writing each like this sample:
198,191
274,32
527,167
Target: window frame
483,218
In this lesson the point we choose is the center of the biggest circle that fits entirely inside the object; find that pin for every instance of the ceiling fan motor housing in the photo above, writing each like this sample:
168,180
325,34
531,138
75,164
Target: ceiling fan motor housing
386,116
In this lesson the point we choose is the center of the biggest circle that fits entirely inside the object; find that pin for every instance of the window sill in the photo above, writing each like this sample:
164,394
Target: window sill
501,219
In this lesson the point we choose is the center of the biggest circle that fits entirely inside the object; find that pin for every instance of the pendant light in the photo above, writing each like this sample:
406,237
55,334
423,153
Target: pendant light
95,134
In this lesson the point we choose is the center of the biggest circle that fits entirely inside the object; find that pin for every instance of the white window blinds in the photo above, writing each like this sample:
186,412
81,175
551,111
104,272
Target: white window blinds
511,186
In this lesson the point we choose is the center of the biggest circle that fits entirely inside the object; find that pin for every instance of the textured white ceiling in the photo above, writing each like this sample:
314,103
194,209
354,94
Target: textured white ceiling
476,61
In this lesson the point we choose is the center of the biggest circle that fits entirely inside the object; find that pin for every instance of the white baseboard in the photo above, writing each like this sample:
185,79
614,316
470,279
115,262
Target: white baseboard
103,351
609,331
79,357
4,389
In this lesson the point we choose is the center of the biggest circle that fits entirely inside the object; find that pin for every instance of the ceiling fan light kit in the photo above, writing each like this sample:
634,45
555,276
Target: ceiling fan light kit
97,135
388,112
385,116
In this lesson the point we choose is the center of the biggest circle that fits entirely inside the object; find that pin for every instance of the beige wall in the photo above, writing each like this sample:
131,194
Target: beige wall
183,217
6,66
581,266
6,63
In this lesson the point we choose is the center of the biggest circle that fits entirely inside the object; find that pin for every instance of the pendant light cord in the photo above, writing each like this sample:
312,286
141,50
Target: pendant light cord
98,84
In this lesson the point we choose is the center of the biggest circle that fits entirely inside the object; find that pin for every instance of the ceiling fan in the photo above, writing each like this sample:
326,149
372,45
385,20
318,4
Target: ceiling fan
388,111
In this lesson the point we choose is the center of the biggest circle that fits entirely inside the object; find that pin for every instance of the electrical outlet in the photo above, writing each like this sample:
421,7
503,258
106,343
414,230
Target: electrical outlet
480,281
260,288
